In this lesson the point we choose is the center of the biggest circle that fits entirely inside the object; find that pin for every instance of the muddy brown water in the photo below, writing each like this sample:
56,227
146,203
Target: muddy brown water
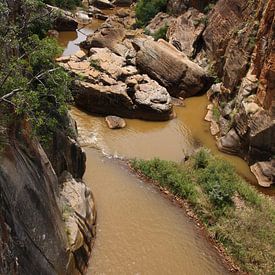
138,230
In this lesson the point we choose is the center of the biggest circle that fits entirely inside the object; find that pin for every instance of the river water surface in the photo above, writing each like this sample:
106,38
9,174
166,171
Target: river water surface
138,230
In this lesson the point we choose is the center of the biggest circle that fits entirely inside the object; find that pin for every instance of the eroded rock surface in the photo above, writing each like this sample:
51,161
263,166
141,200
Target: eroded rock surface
185,32
33,237
164,63
79,214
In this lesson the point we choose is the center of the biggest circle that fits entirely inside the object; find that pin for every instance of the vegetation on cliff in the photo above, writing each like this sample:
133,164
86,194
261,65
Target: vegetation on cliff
64,4
236,215
146,10
30,81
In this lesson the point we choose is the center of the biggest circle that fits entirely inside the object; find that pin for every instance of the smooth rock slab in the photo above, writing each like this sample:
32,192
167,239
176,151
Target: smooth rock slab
171,68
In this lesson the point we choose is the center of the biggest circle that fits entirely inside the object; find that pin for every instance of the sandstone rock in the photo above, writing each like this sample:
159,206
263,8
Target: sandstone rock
107,61
145,102
264,61
78,212
159,21
83,17
115,122
66,154
164,63
185,31
97,13
122,3
177,102
177,7
100,16
261,137
63,20
214,128
209,114
251,107
113,33
229,35
29,209
264,172
230,143
63,59
106,37
224,125
149,94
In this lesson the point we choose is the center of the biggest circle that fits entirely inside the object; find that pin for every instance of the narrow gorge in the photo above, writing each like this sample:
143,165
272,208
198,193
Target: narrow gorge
145,144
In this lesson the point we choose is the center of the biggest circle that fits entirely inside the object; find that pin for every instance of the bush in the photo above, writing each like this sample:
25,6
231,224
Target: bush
169,175
64,4
147,9
161,33
218,181
201,158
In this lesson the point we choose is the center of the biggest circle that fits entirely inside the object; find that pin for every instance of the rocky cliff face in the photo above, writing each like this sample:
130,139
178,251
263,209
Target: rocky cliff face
236,45
43,230
239,41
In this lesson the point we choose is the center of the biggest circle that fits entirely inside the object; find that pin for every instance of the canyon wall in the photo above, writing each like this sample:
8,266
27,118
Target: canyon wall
47,224
237,47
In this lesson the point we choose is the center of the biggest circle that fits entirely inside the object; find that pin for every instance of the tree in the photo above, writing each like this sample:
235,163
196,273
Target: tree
30,81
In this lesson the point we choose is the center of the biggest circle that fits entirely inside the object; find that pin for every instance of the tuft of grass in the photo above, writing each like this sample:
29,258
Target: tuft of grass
237,216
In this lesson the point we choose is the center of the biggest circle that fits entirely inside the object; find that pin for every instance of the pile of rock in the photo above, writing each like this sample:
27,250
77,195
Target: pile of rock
126,73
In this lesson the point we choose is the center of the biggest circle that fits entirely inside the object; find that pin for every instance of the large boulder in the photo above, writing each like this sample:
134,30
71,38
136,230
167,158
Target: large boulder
108,85
264,172
164,63
159,21
62,20
101,4
122,3
177,7
148,104
230,143
114,33
185,32
79,215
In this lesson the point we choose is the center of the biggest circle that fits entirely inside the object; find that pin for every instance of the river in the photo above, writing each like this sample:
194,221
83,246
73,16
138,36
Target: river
139,231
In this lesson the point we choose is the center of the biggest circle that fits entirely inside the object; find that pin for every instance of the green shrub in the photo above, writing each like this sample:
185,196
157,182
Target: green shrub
217,180
201,158
161,33
147,9
64,4
169,175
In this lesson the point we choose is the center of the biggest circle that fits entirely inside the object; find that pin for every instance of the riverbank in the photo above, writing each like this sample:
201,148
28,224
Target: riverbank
138,230
235,215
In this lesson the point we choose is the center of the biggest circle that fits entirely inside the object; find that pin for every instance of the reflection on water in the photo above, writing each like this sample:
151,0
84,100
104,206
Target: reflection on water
70,40
139,231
